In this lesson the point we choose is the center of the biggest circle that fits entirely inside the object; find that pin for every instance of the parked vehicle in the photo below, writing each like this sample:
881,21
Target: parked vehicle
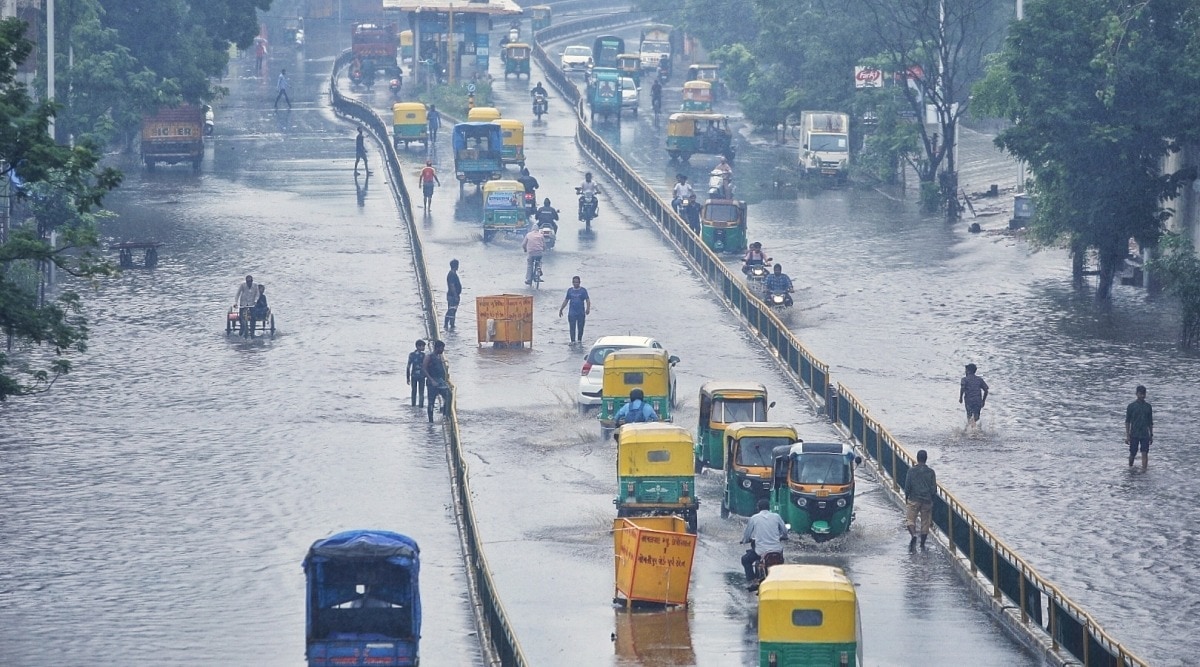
629,66
812,487
825,144
541,16
576,58
512,132
516,59
173,135
503,208
629,94
406,45
654,472
605,50
706,72
808,615
697,97
691,133
642,368
477,152
604,93
363,600
591,376
749,456
723,225
410,122
725,402
375,47
656,41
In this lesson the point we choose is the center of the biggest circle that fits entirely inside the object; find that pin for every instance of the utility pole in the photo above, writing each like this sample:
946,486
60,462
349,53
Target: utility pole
50,58
450,54
1020,163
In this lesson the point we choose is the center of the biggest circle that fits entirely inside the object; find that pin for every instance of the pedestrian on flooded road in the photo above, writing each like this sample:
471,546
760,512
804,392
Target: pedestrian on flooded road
973,392
453,294
1139,427
434,119
428,178
920,486
283,89
581,306
436,382
360,152
414,374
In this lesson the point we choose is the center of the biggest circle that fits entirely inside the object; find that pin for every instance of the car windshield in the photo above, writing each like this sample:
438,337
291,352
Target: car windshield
828,469
727,411
577,51
829,143
599,353
756,450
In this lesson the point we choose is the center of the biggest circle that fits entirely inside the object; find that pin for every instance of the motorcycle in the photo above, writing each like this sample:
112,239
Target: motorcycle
663,75
394,85
548,235
588,207
757,274
299,40
531,206
539,105
778,301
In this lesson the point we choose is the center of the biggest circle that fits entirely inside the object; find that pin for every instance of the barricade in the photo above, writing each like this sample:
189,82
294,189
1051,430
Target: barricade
653,560
497,640
1041,605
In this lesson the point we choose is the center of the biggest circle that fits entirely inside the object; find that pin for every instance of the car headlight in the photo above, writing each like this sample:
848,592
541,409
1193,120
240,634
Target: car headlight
841,502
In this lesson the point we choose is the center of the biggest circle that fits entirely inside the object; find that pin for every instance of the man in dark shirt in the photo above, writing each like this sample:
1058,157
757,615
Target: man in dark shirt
1139,427
453,293
436,381
920,486
973,392
414,374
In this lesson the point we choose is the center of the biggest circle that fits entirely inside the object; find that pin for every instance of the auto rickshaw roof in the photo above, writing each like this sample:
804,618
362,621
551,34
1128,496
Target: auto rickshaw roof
811,582
698,84
516,45
365,545
640,354
408,106
743,429
611,73
653,433
704,66
503,185
688,115
510,123
733,387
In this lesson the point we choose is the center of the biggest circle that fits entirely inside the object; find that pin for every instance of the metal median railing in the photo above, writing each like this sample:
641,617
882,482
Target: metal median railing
1043,608
497,639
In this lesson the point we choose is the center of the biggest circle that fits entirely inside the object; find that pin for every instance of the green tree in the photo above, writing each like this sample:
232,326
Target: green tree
63,184
1100,92
1179,269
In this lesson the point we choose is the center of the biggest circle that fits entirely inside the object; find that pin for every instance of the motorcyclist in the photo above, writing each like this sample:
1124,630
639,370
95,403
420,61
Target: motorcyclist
547,216
538,90
530,183
636,410
588,187
681,192
724,167
778,282
664,67
755,256
765,533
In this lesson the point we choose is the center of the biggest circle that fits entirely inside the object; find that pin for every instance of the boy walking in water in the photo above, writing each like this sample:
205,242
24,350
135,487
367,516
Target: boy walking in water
414,374
1139,427
973,392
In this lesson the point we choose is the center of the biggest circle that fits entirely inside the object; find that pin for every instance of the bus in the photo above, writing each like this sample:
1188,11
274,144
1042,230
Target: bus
605,50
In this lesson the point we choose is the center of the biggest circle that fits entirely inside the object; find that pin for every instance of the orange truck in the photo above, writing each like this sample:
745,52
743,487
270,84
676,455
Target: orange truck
172,136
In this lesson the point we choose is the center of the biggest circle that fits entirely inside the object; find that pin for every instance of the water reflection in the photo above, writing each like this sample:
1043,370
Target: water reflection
657,638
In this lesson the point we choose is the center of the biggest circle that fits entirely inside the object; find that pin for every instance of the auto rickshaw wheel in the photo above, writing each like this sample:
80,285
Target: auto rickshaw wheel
693,523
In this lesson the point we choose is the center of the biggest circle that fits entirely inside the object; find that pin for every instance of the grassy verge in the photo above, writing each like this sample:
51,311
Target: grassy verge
452,99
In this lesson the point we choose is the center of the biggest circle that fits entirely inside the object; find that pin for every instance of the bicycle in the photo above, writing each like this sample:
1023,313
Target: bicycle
537,272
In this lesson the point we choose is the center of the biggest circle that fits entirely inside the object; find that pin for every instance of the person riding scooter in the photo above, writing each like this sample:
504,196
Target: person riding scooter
755,256
588,188
779,283
765,533
547,216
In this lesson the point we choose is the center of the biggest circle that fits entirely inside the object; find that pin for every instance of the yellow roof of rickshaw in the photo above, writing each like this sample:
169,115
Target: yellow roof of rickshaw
510,124
636,355
687,115
707,85
654,433
704,66
743,429
822,588
503,185
415,108
808,582
541,7
743,387
483,114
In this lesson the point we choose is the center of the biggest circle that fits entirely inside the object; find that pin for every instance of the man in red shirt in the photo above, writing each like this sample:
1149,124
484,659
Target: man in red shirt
428,178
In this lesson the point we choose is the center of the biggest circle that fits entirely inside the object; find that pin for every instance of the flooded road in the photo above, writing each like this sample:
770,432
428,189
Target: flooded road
544,480
897,304
158,502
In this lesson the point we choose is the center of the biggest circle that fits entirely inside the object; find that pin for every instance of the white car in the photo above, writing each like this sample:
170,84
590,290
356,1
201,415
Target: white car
591,377
629,94
576,58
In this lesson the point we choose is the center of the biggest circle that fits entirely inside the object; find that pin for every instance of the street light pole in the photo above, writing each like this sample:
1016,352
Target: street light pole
1020,163
50,58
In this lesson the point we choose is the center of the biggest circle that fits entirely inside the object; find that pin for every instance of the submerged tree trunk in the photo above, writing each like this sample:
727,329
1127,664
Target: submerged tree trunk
1078,252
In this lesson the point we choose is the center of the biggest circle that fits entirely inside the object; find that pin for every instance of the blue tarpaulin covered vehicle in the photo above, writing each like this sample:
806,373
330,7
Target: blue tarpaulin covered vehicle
478,153
363,599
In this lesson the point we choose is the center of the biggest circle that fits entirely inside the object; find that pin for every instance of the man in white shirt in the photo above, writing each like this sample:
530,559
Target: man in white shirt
682,191
533,245
247,294
765,532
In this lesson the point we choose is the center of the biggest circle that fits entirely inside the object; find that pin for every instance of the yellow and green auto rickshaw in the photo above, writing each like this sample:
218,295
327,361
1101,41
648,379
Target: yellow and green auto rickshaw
513,149
541,16
697,97
723,225
503,208
516,59
812,487
483,115
808,617
406,45
749,453
690,133
704,72
604,93
409,123
648,369
654,471
725,402
630,65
